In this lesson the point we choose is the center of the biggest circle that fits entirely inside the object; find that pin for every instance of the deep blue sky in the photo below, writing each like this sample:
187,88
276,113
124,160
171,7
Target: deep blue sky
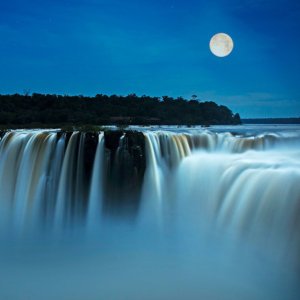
155,47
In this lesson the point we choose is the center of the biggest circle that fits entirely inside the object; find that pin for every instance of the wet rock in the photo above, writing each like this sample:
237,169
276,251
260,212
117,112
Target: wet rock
126,164
2,133
111,140
90,147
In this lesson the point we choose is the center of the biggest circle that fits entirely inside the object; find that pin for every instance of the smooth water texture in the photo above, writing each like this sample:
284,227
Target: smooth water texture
213,215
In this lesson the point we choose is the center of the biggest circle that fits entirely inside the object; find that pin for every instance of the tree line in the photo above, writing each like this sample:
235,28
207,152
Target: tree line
38,109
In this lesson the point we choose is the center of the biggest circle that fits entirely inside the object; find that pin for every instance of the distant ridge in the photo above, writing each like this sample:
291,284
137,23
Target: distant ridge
272,121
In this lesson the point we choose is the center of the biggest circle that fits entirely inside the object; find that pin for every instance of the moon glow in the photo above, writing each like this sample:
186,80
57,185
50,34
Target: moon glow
221,44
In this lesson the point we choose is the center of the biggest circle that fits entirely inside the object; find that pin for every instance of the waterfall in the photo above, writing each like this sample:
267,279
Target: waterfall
246,186
96,188
67,186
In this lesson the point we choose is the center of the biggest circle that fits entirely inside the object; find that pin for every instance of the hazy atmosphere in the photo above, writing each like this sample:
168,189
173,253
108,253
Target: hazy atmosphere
149,150
158,47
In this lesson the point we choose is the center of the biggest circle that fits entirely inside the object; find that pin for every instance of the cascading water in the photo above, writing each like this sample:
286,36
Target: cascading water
96,187
230,189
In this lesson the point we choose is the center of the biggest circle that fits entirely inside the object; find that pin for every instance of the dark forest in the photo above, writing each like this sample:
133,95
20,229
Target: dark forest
49,110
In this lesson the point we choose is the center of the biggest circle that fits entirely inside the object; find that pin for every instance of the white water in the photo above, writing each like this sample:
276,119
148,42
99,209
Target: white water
96,190
218,217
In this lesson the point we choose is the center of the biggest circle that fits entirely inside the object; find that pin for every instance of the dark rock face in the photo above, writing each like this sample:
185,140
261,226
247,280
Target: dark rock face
2,133
112,139
136,148
125,168
90,147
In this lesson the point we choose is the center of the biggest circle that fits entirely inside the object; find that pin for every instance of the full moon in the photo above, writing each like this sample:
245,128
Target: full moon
221,44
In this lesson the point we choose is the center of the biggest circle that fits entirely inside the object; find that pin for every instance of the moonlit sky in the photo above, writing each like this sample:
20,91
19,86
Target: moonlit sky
155,47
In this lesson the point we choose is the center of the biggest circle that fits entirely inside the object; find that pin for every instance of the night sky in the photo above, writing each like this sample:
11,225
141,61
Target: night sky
155,47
